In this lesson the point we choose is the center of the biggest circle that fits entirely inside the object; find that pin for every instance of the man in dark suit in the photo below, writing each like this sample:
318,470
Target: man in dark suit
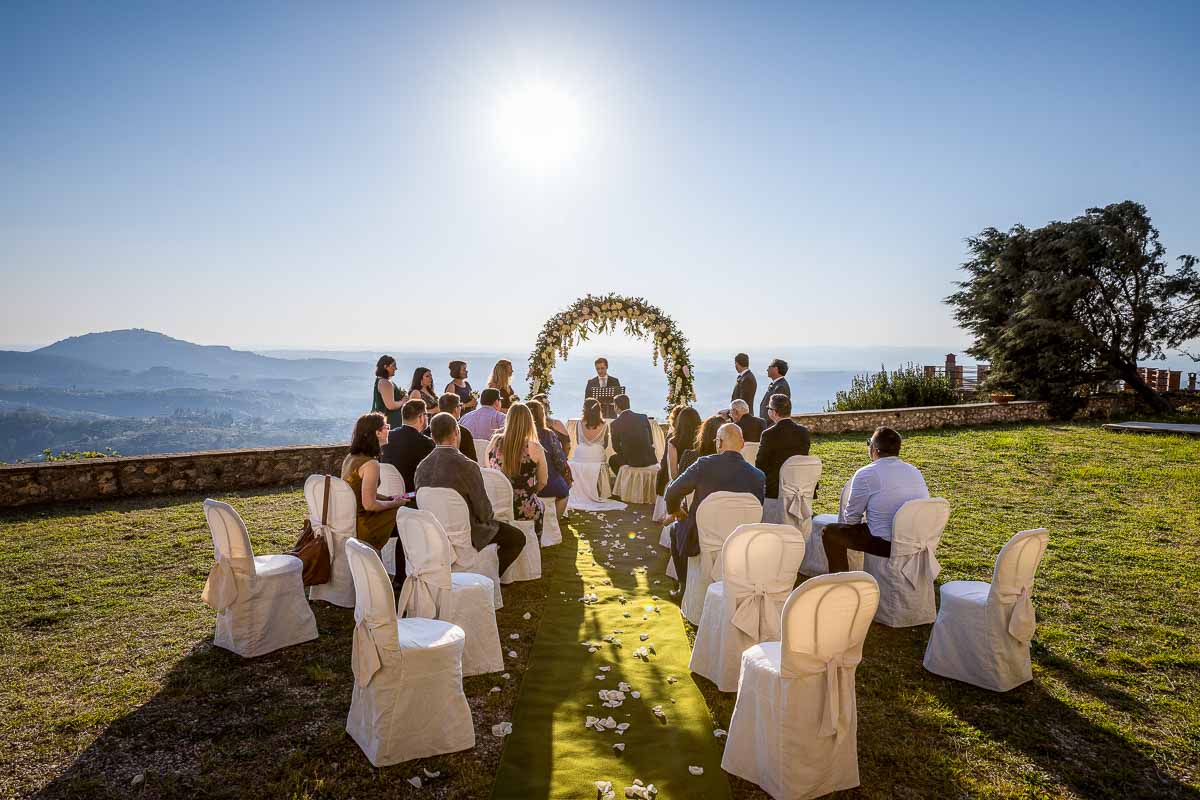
784,439
451,404
406,445
747,385
779,385
631,437
447,468
752,427
726,471
604,388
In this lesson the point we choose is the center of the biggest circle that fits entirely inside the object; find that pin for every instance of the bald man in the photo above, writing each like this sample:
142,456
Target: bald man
726,471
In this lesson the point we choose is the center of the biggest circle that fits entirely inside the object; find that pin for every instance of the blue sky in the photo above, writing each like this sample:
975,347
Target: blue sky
330,175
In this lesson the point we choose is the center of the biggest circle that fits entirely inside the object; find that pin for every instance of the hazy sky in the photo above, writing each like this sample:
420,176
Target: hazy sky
450,174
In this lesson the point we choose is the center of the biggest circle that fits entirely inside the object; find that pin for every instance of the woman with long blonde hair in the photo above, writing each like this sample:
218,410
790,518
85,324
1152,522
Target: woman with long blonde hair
501,381
517,453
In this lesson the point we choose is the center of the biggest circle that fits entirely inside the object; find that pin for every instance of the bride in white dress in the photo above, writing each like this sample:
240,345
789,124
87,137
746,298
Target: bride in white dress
592,482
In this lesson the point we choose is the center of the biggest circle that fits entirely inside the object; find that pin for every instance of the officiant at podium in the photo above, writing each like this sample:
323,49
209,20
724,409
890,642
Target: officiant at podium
604,388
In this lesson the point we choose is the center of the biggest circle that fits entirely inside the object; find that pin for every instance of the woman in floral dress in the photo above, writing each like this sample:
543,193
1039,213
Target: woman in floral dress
516,452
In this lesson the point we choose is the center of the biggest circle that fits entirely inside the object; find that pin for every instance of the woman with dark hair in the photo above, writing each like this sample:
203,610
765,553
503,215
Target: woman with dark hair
460,386
660,483
421,387
704,445
516,451
501,381
387,400
687,426
376,521
558,484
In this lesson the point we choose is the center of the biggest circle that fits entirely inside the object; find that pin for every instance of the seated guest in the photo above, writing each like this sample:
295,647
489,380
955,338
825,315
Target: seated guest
682,439
664,477
752,426
421,388
555,425
516,452
451,404
460,386
784,439
488,418
406,445
631,437
447,468
726,471
501,381
705,444
376,520
558,484
876,493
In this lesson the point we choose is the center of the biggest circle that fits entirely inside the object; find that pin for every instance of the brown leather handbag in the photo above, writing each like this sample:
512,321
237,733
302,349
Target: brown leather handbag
312,549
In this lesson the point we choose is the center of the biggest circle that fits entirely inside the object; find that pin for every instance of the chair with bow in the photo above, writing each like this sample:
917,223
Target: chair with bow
407,699
906,578
759,564
716,518
798,479
551,526
341,525
528,566
794,729
815,562
982,632
259,600
432,591
453,513
391,484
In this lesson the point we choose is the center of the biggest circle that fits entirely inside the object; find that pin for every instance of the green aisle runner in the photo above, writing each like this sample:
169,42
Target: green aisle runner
551,752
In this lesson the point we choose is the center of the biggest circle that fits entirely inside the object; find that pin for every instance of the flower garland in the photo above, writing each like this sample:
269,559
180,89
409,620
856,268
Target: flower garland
605,314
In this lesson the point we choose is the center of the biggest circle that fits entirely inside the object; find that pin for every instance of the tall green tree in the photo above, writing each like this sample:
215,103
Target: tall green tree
1074,303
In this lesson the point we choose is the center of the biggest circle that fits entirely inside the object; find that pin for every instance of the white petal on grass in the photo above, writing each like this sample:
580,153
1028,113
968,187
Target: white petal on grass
696,770
502,729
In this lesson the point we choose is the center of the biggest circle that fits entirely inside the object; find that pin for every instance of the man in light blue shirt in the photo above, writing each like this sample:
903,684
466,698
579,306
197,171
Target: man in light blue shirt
876,493
487,419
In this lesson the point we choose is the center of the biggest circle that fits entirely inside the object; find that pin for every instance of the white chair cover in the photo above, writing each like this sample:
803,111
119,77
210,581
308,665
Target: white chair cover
906,579
432,591
259,600
481,448
750,451
403,669
794,729
759,567
636,484
798,478
982,632
452,512
660,509
551,526
815,562
528,566
391,483
341,526
716,519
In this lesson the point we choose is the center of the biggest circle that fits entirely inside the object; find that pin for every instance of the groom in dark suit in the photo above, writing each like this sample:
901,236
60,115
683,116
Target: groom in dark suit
747,385
604,388
631,437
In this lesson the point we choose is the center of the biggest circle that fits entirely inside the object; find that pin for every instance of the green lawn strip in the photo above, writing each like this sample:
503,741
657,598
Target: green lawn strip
550,752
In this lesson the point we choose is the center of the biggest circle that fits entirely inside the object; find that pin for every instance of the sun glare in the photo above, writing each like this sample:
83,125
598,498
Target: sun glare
539,125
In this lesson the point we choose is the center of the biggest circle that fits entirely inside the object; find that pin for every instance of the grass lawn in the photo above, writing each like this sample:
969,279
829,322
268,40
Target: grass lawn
107,670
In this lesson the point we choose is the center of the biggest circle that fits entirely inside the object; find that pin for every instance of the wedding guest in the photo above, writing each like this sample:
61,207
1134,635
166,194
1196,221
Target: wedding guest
461,387
501,381
421,388
387,398
779,385
558,485
376,519
660,483
784,439
447,468
555,425
752,426
488,418
705,444
407,446
747,385
683,437
517,453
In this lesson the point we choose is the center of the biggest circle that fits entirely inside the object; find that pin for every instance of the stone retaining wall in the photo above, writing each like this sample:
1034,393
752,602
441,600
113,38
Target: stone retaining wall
223,470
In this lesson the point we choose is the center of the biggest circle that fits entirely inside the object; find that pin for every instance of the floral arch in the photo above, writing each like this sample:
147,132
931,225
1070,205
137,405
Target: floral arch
606,314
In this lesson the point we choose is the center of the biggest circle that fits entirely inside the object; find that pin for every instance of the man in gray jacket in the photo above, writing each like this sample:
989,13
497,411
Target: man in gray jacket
447,468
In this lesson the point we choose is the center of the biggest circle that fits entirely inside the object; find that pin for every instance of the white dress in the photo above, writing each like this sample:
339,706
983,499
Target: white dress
592,480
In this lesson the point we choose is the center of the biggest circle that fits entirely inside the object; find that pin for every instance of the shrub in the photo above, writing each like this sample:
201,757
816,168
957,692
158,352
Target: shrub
77,455
905,387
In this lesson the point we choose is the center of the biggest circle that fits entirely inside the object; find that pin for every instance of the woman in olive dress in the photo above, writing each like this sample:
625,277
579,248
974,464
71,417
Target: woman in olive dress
387,399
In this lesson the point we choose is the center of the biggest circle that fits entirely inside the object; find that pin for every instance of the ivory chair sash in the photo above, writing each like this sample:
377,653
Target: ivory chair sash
455,517
716,519
906,578
528,566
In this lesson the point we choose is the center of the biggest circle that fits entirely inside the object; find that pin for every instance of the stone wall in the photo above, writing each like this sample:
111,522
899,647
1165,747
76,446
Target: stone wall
223,470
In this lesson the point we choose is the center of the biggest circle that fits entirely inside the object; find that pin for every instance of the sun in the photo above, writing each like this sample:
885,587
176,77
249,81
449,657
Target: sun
539,125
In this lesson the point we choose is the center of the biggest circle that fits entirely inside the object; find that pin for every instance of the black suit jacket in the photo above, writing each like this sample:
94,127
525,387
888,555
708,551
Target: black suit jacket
752,427
778,386
406,448
611,390
632,439
745,389
723,472
780,442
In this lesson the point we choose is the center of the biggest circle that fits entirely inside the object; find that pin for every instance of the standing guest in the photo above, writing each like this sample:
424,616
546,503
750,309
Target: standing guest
747,385
779,385
376,519
752,426
421,388
461,387
407,446
516,452
632,438
447,468
876,493
501,381
387,399
604,388
488,418
705,444
558,474
784,439
450,404
726,471
555,425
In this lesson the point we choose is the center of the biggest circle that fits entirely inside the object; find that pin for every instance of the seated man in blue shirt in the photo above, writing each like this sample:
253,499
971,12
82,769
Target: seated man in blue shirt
876,493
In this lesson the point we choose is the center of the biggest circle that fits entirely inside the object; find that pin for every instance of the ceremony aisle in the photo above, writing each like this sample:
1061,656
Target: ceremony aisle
609,626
